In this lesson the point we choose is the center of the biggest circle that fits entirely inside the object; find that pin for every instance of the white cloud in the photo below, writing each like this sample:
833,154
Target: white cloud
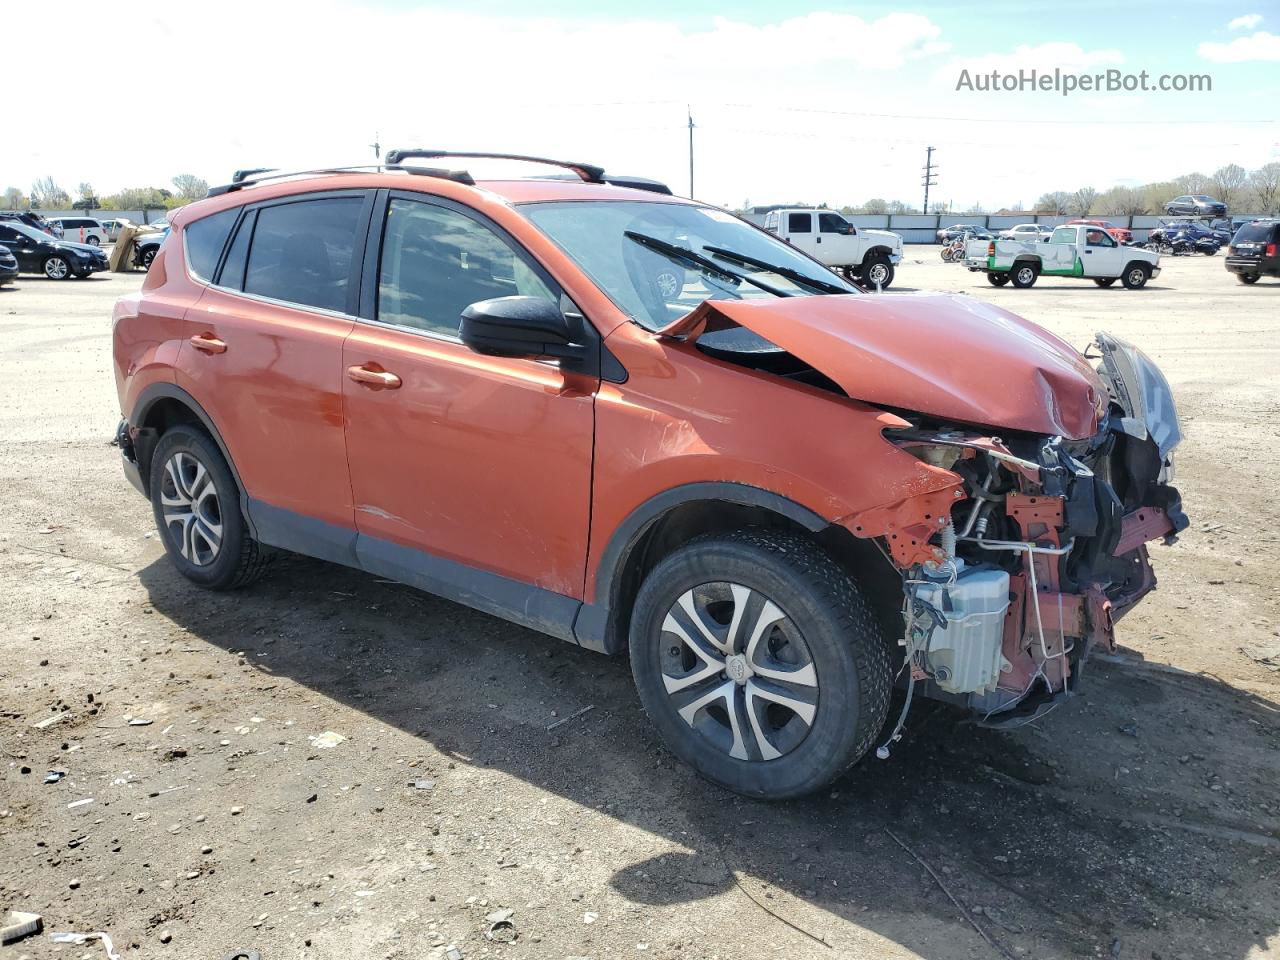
1247,22
1069,57
1256,46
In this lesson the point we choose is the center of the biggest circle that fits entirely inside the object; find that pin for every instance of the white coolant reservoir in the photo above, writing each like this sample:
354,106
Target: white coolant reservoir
964,653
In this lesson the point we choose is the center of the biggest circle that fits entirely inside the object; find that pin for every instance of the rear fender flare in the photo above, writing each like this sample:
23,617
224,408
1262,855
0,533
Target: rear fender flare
157,392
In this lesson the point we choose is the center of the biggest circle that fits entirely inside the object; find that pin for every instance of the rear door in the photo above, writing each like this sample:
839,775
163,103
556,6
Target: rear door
264,356
462,465
22,246
800,232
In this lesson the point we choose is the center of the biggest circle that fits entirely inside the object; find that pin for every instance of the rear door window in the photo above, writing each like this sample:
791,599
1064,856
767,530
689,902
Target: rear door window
799,223
301,252
205,240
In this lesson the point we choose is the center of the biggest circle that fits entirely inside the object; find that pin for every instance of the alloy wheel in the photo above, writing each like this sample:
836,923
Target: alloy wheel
55,268
877,274
191,509
738,671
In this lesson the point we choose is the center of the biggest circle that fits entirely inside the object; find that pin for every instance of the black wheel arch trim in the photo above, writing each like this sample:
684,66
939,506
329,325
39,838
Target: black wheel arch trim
594,627
165,390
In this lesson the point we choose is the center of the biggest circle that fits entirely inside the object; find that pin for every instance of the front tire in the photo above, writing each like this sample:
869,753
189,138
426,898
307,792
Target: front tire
196,504
57,268
1248,277
1135,276
147,258
877,272
1104,281
1023,275
760,662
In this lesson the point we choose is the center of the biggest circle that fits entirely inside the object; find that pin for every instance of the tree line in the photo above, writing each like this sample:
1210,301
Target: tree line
47,194
1256,192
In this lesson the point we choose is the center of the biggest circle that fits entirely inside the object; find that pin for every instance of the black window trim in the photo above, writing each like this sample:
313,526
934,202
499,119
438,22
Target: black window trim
359,242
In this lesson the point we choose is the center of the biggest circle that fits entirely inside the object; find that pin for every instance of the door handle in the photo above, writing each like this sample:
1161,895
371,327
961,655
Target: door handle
371,375
208,343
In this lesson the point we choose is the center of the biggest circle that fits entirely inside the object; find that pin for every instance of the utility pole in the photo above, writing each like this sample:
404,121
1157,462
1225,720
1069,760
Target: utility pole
928,180
377,146
689,111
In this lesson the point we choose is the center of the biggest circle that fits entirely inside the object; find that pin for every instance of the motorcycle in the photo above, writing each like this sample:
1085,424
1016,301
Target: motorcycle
953,252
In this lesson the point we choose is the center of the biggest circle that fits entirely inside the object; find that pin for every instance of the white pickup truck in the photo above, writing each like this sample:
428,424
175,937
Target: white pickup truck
1079,250
866,257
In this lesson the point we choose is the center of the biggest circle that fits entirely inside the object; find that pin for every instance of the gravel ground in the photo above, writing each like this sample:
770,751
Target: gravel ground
1141,820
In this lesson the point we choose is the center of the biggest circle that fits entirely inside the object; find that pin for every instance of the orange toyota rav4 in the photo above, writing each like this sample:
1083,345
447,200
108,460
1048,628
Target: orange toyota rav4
636,422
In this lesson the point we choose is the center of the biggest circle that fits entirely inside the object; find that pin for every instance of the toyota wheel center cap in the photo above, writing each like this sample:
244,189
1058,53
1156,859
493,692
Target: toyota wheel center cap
737,668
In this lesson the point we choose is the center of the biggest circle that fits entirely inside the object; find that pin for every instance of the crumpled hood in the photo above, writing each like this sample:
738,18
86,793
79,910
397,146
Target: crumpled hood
945,355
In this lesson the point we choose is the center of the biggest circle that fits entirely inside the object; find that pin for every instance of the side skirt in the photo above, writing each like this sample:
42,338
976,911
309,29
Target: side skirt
530,606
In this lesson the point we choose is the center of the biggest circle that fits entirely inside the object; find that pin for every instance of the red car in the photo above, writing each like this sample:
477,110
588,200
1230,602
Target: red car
745,478
1118,234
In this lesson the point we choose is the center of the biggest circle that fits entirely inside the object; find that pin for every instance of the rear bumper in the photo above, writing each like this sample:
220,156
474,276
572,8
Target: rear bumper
8,273
128,458
1245,265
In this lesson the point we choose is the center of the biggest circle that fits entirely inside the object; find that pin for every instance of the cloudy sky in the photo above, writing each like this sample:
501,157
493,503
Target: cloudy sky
792,101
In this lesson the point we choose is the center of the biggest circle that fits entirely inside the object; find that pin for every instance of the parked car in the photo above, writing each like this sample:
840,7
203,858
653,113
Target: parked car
1196,206
1035,232
863,256
742,486
145,248
947,234
1253,251
113,227
1081,250
8,266
80,230
37,252
30,218
1122,235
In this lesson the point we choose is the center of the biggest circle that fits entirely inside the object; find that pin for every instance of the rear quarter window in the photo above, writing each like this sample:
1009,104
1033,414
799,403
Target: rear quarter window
205,239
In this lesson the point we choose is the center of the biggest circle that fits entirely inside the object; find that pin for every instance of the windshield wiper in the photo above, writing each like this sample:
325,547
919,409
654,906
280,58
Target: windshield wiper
795,276
673,252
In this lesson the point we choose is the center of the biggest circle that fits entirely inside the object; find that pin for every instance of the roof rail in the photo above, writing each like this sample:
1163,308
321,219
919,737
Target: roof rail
587,171
247,178
622,180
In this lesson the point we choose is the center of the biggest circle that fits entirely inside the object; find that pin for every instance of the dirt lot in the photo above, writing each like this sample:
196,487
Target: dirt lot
1140,821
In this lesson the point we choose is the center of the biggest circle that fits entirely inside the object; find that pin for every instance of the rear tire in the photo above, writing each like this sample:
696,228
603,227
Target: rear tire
818,647
1248,277
1024,275
997,279
196,504
94,241
1105,281
1136,275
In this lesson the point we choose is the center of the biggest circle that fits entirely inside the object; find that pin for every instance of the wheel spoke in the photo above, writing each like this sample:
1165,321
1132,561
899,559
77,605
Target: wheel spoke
690,607
190,509
727,692
801,708
710,666
768,616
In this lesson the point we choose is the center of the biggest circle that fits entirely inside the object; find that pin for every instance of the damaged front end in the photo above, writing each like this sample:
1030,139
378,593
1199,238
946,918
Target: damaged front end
1047,550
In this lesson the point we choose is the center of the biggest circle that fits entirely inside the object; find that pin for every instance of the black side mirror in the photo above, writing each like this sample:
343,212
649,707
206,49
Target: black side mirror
520,327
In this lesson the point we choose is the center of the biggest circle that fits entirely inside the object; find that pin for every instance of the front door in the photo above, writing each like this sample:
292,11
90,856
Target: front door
1103,257
469,470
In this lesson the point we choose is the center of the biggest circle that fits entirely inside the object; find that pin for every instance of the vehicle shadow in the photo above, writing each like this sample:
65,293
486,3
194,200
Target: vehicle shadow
1097,829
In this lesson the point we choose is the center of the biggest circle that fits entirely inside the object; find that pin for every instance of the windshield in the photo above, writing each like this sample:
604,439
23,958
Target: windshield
631,250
